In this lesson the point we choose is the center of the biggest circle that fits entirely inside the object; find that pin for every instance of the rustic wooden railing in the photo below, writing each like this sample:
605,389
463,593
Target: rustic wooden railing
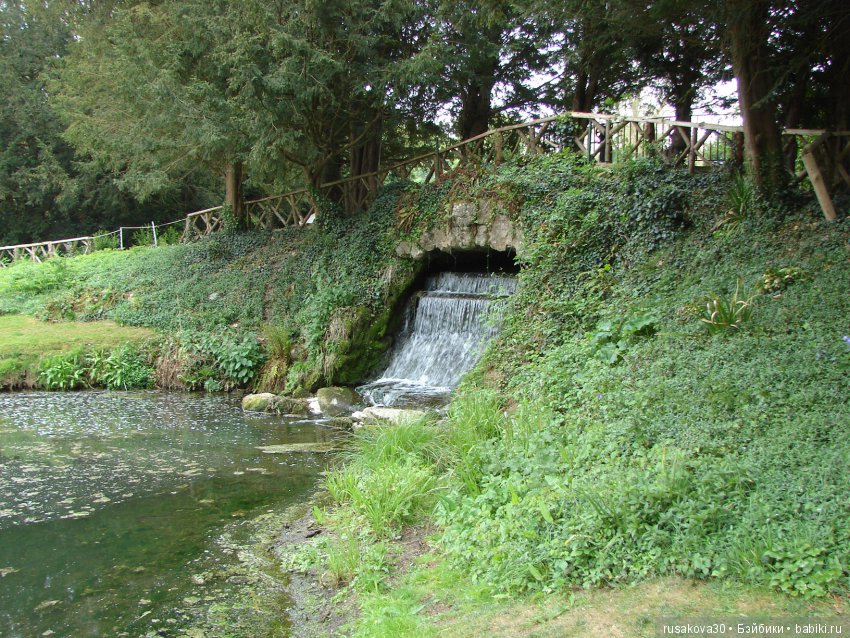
599,137
46,249
814,154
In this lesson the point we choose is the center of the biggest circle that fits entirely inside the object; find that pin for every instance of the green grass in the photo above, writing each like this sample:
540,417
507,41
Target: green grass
24,341
434,600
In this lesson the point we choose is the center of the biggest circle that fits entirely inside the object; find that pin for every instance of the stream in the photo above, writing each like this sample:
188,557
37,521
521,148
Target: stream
108,499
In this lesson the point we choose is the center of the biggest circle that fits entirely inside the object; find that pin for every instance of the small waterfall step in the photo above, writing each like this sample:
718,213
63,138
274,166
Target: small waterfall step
445,331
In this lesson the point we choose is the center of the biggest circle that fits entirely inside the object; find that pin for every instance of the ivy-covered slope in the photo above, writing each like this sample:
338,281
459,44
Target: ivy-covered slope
680,387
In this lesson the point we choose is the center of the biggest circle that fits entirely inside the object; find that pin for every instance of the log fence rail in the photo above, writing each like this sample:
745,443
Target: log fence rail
816,154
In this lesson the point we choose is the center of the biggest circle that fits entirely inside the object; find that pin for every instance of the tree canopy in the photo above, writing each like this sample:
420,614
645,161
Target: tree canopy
121,110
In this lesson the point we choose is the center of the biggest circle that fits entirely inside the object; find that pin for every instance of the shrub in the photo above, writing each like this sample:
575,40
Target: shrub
170,236
389,497
220,360
142,237
742,198
773,281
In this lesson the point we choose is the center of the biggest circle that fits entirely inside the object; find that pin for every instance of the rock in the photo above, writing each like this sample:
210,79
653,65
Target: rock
257,402
461,237
426,241
321,447
300,393
335,401
482,235
441,239
485,211
342,422
501,233
464,213
393,415
404,249
290,405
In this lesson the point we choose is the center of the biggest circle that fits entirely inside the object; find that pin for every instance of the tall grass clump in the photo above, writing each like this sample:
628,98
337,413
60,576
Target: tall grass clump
390,479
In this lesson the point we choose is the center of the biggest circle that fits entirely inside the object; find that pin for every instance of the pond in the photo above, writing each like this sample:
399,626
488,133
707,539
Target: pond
107,498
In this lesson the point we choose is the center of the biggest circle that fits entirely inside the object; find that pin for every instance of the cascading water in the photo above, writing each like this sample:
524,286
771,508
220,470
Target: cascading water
445,330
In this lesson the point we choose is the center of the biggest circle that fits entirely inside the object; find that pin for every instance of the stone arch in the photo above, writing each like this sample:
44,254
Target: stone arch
479,224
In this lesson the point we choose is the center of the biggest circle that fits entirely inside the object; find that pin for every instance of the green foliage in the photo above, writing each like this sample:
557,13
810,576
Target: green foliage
804,570
169,236
28,278
612,338
142,237
742,200
725,313
63,372
123,368
105,240
707,458
396,495
219,360
390,481
773,281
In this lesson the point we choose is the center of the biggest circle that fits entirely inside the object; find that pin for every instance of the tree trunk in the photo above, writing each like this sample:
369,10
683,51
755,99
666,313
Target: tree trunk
838,42
233,197
748,28
685,82
365,160
587,84
476,101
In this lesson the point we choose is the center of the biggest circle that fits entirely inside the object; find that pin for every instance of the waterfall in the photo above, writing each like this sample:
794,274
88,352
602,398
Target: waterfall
443,334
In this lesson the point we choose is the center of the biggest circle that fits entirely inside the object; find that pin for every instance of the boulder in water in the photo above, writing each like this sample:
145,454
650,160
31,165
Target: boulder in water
257,402
336,401
290,405
268,402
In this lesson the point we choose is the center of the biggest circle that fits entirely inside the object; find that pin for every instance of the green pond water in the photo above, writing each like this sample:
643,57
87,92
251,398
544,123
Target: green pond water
109,501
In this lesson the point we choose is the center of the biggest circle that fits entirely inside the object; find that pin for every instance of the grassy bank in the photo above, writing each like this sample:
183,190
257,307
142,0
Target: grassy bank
278,310
25,342
666,401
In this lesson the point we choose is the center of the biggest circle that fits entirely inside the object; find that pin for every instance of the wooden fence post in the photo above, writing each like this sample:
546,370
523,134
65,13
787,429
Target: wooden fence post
821,191
692,150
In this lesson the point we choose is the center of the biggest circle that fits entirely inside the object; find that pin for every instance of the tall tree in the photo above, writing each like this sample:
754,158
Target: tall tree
339,69
678,47
153,94
482,58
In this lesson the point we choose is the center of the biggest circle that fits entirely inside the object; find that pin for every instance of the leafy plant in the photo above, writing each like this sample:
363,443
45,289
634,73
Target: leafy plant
723,314
124,368
169,236
742,198
63,372
143,237
804,570
221,360
773,281
612,338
